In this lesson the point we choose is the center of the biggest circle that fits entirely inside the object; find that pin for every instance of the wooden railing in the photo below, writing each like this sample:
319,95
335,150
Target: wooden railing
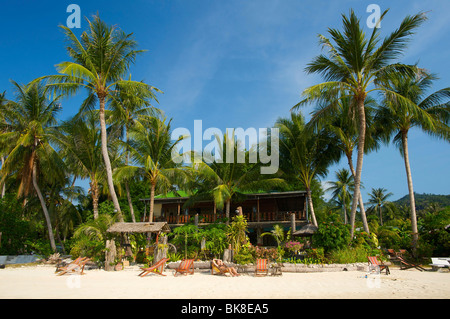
251,217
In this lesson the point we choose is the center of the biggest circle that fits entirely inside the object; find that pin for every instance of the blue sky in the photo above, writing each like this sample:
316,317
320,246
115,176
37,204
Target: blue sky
235,63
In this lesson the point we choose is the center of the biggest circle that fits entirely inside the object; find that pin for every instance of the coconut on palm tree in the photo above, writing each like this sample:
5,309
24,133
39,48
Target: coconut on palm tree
417,108
31,118
354,64
101,57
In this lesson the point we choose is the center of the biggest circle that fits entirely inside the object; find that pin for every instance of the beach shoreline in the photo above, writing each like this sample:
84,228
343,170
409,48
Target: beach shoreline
40,281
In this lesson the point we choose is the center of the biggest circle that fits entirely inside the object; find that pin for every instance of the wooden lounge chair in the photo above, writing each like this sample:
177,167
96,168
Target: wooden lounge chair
375,264
76,265
407,264
262,268
156,268
186,267
219,270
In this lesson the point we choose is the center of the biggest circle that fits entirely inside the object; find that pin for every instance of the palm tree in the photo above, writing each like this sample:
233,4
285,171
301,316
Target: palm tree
3,129
101,57
306,154
397,116
355,65
125,109
378,198
30,118
151,148
342,189
340,121
223,180
80,143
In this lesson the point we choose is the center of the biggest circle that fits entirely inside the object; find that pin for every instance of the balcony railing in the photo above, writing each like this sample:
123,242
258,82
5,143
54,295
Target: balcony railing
251,217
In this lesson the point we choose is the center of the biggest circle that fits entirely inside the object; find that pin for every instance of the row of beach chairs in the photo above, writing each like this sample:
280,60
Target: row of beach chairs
217,268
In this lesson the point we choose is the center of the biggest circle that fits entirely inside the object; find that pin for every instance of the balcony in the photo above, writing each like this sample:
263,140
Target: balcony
252,218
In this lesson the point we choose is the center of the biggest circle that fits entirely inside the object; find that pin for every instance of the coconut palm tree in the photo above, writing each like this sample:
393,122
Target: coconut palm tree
150,147
30,118
100,59
378,198
355,64
342,189
125,109
306,154
396,117
224,180
80,143
340,120
3,128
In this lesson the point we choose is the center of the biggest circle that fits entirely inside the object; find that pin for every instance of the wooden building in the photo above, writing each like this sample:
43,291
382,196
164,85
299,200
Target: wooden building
262,211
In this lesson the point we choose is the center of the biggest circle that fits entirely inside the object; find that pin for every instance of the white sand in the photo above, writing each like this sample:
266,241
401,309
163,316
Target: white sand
41,282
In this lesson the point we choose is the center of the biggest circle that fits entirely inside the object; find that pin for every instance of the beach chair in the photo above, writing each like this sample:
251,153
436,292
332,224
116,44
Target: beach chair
375,264
262,268
219,270
156,268
438,263
407,264
76,265
186,267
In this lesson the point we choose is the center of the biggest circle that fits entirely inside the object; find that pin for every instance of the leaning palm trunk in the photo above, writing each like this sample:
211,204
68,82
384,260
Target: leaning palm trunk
44,208
106,158
130,203
359,162
415,233
361,202
311,207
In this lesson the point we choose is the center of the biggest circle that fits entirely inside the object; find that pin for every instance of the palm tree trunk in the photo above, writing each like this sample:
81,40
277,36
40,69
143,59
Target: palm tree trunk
4,183
359,162
95,195
311,207
415,233
152,201
227,211
127,187
130,203
361,202
345,213
44,208
106,158
381,217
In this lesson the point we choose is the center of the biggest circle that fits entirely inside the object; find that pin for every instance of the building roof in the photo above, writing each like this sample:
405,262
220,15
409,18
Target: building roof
144,227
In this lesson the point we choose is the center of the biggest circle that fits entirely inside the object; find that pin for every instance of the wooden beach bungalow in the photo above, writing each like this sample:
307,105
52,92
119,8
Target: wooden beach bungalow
262,211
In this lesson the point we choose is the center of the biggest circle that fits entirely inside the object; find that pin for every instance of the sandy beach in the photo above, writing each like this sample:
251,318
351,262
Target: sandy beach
41,282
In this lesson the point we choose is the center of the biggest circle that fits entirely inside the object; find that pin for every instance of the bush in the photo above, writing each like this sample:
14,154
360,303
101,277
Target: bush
332,233
348,255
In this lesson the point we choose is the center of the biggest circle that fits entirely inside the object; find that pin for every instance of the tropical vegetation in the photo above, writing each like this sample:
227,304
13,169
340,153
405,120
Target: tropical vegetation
122,145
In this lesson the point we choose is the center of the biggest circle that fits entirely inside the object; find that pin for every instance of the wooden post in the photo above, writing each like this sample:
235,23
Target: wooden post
196,220
178,213
161,249
110,255
292,222
259,239
258,216
239,209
